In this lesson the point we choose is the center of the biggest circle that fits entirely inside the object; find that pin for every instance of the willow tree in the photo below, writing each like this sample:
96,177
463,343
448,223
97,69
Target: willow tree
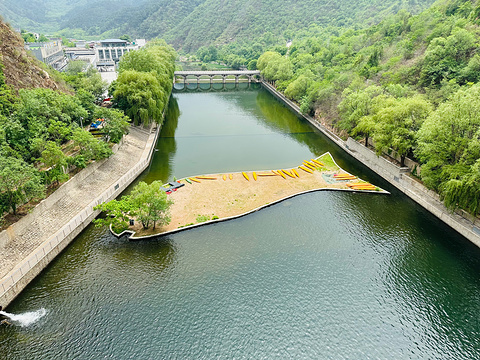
464,192
274,66
140,95
397,124
145,81
449,149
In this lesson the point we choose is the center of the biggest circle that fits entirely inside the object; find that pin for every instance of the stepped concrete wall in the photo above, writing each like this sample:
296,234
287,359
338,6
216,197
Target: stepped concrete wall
26,270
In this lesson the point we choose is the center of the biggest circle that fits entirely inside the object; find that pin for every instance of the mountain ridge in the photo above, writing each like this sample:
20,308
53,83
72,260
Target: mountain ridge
190,24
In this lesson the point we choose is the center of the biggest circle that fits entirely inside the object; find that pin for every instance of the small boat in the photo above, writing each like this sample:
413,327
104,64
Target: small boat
273,171
281,174
224,177
317,162
206,177
266,174
245,175
230,176
344,177
295,172
188,180
193,179
254,176
308,165
288,173
361,185
365,188
305,169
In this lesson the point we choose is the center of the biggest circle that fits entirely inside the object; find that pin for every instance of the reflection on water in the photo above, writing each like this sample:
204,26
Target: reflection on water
161,166
326,275
193,86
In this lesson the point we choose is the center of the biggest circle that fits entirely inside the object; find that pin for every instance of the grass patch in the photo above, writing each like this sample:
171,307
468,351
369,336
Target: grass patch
202,218
181,226
327,160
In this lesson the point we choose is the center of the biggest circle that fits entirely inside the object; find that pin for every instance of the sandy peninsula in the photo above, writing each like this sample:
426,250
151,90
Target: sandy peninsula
215,197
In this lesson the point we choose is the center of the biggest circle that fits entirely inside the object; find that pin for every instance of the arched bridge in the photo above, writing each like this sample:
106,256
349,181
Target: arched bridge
251,75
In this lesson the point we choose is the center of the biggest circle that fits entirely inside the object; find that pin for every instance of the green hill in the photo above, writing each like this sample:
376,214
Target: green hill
190,24
47,16
409,85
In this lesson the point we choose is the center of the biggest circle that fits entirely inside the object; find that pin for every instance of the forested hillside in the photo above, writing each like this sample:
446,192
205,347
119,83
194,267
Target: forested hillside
46,16
269,20
409,85
190,24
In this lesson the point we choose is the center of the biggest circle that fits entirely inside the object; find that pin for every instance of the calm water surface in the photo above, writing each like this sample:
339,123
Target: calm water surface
320,276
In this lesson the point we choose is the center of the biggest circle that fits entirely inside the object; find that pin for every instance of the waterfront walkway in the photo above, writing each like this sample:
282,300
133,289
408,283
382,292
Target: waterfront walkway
74,197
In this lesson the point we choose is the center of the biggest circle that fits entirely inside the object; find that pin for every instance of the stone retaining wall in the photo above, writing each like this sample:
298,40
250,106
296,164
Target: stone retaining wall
462,222
17,279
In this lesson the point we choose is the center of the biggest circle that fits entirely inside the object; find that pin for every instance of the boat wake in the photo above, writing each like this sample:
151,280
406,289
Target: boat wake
25,319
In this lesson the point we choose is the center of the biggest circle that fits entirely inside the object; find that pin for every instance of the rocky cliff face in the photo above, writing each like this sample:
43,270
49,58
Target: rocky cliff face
21,69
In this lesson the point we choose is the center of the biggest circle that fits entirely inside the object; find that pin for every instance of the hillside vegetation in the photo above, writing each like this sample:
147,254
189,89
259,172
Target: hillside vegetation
190,24
48,15
410,83
43,135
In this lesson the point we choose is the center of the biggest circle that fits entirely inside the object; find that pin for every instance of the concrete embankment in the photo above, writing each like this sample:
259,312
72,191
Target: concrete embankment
29,245
462,222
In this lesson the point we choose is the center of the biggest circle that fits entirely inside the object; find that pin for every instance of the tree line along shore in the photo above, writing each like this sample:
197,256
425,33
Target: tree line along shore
44,137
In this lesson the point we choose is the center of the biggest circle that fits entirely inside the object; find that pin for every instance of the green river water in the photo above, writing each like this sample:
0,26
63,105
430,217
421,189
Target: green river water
326,275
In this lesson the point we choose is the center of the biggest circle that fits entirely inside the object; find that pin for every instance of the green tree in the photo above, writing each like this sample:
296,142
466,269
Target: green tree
19,181
59,132
90,148
274,66
448,138
299,87
150,204
397,124
366,126
126,38
140,95
75,67
117,214
465,191
55,161
356,105
116,123
446,57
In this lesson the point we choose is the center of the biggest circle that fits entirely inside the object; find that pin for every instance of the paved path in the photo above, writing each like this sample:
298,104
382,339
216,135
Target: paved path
74,201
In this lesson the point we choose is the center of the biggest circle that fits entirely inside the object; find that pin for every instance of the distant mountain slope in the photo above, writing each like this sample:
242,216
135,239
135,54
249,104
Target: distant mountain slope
189,24
47,16
225,21
152,19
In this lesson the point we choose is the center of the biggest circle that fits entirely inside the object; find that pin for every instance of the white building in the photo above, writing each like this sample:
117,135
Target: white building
109,51
51,53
